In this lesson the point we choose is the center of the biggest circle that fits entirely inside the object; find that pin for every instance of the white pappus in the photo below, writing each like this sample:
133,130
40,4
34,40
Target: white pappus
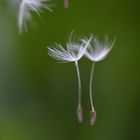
26,6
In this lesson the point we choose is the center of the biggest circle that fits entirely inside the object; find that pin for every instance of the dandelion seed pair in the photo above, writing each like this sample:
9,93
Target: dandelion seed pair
94,50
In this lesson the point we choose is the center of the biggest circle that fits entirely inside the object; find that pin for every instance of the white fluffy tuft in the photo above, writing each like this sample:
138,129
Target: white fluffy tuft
73,52
97,50
26,6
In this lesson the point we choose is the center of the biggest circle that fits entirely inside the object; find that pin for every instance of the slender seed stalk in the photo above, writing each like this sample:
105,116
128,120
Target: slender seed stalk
93,112
79,108
79,82
90,85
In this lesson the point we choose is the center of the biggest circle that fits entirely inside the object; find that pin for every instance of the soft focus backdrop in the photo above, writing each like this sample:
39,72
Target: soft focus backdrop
38,96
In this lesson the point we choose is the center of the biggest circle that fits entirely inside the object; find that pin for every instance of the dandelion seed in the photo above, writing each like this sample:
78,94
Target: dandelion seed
73,53
96,51
26,6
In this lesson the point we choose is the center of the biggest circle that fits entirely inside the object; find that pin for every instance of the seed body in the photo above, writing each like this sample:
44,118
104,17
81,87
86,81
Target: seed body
79,114
92,117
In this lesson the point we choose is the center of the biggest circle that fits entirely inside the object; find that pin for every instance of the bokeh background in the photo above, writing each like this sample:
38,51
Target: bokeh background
38,96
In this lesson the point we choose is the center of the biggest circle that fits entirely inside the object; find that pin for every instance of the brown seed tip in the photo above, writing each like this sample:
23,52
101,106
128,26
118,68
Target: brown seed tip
79,114
66,4
92,117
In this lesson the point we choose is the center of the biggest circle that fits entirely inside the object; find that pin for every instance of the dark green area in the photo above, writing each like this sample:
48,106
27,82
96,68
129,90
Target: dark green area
38,96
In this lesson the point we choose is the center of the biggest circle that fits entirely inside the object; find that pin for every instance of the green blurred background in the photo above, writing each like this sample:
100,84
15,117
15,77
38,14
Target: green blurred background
38,97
